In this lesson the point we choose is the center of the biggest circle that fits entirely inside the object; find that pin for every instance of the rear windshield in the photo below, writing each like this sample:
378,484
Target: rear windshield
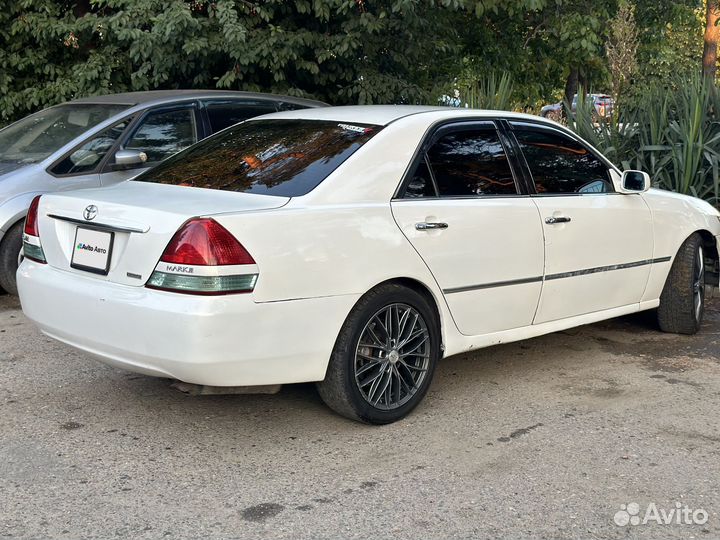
284,157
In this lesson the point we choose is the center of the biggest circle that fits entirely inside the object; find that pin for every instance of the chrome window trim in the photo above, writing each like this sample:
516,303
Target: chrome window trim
461,124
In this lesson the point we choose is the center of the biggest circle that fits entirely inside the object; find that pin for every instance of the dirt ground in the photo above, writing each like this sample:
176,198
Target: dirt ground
544,438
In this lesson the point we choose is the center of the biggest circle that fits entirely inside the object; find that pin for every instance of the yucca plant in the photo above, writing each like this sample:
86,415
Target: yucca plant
489,91
671,131
651,112
613,138
680,146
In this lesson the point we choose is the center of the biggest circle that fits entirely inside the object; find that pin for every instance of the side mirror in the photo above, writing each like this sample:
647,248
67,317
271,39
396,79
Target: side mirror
129,159
635,182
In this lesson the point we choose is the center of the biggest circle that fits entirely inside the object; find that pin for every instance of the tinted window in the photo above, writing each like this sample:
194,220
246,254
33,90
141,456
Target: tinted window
471,163
163,133
285,106
288,158
561,165
88,156
223,114
420,184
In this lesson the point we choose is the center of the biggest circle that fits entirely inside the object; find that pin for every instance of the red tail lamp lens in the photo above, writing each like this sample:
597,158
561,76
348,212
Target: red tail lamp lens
31,221
204,242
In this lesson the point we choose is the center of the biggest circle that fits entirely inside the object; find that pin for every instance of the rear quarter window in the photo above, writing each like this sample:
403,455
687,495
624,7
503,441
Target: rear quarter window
283,157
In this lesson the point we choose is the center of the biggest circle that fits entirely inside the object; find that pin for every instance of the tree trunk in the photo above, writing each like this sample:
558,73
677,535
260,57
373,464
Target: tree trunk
81,8
571,85
712,36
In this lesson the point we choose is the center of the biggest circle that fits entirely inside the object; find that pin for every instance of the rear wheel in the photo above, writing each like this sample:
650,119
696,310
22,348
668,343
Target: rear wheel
384,358
10,249
682,302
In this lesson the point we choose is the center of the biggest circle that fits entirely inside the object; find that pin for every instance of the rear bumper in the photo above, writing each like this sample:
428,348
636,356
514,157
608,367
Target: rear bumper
217,340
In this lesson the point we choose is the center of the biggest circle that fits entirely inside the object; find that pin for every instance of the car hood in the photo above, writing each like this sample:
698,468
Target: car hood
10,167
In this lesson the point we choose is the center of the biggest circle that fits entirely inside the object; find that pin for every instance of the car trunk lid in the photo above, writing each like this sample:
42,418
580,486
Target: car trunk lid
134,222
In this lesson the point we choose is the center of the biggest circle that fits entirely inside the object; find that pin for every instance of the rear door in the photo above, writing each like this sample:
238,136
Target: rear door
598,243
463,209
223,113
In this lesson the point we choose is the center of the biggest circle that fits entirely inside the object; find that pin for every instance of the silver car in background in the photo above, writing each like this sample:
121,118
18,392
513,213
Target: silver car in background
99,141
603,103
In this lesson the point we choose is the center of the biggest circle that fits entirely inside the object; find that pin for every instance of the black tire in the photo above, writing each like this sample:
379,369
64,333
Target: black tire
9,253
340,390
678,311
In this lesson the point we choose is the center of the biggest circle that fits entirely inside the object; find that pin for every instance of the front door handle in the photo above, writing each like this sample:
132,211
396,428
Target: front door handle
558,219
425,226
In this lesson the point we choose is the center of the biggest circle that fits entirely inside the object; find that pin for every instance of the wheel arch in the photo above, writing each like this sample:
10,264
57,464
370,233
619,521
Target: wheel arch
14,210
712,272
422,289
10,226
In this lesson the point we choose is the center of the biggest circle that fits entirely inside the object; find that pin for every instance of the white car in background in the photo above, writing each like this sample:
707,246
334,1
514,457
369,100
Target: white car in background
355,247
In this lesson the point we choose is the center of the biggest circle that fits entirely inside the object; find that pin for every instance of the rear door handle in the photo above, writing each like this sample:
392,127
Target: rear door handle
425,226
558,219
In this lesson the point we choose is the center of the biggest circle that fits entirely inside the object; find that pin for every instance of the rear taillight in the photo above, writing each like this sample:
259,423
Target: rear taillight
204,258
31,226
32,248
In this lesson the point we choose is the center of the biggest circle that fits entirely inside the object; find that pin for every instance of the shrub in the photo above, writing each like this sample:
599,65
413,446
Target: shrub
670,130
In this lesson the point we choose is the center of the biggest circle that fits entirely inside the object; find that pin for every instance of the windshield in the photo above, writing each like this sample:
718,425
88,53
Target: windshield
287,158
35,137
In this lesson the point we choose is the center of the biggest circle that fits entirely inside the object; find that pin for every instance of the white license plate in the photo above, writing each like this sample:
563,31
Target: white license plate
92,250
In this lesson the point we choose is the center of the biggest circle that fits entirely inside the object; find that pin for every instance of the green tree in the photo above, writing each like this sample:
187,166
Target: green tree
342,51
712,37
670,39
621,48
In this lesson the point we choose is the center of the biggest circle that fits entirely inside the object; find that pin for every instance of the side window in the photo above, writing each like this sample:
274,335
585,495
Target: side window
471,163
86,158
421,183
163,133
224,114
285,106
560,164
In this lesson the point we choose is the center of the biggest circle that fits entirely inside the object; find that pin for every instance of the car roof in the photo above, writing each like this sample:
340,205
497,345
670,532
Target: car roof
162,96
383,115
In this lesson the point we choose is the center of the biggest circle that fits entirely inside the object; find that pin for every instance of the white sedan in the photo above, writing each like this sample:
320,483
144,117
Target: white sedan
355,247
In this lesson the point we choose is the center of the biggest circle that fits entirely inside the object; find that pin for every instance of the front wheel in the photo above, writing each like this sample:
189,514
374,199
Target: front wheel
682,302
384,357
10,250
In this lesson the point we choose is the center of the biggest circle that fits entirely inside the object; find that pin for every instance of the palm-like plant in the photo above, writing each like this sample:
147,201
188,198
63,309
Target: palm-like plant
671,131
488,91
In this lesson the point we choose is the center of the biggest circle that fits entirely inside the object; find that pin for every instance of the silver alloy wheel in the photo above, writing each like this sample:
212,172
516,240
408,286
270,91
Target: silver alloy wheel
392,356
699,282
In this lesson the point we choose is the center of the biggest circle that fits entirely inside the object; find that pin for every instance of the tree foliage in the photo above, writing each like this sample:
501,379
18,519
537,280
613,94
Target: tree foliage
621,47
340,51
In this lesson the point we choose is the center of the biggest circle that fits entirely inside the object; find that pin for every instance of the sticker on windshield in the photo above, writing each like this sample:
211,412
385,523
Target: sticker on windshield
356,129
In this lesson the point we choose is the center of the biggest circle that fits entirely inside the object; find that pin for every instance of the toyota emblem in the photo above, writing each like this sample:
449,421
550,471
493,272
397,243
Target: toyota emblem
90,212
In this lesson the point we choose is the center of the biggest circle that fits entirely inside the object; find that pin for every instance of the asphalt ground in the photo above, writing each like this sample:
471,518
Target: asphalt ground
544,438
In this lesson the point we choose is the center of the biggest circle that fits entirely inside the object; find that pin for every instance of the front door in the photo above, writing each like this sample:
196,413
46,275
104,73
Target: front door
598,243
160,133
80,168
463,212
